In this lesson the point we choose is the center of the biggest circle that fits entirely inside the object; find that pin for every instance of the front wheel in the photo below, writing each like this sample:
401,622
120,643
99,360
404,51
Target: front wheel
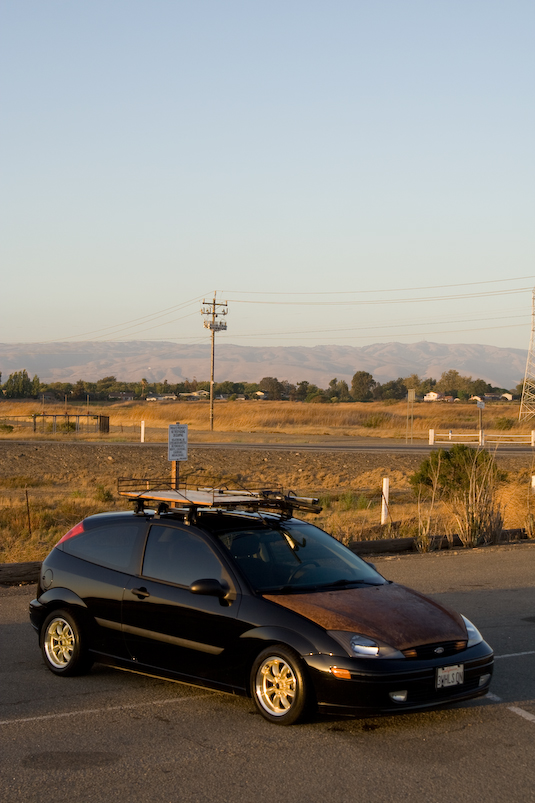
278,685
62,645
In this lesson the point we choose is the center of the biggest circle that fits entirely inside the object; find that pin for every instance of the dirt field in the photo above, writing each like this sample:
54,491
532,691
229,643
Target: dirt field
311,472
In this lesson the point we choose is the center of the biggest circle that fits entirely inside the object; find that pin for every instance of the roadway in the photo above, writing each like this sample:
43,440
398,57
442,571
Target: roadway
113,736
386,445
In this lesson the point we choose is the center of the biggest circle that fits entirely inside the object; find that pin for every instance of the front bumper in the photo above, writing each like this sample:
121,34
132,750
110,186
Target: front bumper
374,680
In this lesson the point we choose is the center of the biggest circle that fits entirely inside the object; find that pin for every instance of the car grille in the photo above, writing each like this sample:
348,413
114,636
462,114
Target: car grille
441,650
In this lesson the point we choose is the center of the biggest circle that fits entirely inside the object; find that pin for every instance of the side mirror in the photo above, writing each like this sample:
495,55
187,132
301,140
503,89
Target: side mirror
209,588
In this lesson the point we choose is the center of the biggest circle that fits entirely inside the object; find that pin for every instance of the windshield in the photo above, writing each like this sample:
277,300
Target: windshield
296,556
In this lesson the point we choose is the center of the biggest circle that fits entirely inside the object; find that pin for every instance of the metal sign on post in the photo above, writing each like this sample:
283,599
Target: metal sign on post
177,444
177,449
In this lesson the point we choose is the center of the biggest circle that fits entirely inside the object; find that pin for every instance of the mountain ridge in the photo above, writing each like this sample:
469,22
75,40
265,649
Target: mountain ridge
131,360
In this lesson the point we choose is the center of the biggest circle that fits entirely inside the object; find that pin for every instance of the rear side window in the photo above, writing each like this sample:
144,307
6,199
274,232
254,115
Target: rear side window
112,545
179,556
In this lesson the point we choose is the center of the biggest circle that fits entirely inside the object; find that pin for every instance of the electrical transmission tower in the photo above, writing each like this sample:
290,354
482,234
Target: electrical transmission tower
527,405
210,309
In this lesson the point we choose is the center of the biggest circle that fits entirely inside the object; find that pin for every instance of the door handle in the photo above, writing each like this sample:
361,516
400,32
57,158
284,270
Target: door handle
141,593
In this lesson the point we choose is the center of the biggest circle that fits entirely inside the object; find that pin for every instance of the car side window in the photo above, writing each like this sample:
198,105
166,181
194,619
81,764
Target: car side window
179,556
111,545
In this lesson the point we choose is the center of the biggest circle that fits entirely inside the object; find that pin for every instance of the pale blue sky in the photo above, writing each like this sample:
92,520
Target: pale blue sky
336,153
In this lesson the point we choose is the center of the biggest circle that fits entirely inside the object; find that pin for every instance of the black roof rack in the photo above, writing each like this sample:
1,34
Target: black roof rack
199,490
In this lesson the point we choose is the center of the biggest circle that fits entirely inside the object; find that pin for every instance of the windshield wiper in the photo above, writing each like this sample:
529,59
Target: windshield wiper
344,582
290,589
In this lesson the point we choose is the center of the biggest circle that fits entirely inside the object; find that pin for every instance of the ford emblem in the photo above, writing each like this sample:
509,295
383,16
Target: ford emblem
439,650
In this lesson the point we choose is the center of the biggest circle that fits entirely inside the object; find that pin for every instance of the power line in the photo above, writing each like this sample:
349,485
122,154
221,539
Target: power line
133,321
382,290
368,328
376,302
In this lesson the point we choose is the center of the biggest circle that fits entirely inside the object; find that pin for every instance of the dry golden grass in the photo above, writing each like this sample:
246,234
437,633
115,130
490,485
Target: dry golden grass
238,420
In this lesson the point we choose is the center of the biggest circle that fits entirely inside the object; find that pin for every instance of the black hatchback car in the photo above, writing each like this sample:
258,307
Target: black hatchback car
229,591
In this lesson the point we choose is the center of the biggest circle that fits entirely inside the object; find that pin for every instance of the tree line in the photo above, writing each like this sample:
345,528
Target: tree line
363,388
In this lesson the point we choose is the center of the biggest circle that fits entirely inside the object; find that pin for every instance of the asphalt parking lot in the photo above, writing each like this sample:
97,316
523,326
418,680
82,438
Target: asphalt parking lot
113,735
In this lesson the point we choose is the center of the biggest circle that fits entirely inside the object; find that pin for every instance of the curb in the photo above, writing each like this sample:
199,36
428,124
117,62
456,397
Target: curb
14,573
382,546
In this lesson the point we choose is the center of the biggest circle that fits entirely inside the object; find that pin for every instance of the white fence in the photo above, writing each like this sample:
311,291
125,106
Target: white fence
479,438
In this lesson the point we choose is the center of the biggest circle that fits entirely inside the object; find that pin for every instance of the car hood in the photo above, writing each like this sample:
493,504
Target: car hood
393,614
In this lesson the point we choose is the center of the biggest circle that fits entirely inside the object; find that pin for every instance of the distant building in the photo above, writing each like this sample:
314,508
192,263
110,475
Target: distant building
195,395
122,395
433,396
157,397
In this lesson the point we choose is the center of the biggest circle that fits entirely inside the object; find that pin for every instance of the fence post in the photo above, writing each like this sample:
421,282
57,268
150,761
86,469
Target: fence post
142,432
533,437
481,437
384,501
431,437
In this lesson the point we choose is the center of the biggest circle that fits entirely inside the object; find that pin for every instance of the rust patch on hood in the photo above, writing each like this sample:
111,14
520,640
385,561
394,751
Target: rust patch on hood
392,613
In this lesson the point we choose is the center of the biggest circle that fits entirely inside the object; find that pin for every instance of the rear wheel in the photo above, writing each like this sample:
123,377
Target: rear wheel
62,645
279,686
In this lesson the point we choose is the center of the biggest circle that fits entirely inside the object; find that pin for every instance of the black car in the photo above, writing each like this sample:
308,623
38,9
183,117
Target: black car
230,591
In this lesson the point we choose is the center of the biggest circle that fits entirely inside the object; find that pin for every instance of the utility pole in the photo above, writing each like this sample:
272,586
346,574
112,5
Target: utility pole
210,309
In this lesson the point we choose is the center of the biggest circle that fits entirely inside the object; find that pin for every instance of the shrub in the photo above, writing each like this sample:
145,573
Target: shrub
374,421
504,423
102,494
467,480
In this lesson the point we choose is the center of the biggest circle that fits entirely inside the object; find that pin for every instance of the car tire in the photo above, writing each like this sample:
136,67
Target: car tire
279,686
62,645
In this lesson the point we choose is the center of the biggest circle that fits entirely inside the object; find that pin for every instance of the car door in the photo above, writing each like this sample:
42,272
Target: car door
166,626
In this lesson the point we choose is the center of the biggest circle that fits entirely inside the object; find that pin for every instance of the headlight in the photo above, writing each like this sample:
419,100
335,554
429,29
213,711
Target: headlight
474,636
358,646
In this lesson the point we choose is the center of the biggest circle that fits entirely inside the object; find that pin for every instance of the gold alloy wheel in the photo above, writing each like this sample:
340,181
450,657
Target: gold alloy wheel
59,643
276,685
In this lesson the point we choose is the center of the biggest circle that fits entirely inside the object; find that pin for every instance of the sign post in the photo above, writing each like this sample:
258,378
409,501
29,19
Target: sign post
480,408
411,397
177,449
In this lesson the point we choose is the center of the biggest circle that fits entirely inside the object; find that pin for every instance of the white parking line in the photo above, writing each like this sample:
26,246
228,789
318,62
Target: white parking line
514,655
100,710
521,713
513,708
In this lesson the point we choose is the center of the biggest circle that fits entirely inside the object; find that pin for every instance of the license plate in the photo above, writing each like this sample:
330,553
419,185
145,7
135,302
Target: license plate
450,676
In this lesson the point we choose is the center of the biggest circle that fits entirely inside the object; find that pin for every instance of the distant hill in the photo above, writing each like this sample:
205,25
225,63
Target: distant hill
132,360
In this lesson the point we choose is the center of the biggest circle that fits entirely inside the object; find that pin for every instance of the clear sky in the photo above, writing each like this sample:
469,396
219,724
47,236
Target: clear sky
343,172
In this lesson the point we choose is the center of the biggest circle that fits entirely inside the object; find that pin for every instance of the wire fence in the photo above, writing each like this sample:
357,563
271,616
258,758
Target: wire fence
48,423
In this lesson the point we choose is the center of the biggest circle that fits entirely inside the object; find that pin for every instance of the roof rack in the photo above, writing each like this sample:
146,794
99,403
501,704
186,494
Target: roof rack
198,490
